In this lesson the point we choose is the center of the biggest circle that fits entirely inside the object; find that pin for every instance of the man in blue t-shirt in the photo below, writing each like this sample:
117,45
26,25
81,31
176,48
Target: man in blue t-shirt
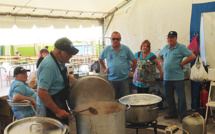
171,57
20,90
118,58
53,81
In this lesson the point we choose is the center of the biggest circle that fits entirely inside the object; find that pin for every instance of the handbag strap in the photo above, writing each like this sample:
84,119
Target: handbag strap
198,59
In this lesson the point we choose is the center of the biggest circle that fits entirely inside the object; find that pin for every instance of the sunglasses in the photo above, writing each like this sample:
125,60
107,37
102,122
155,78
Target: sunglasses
115,39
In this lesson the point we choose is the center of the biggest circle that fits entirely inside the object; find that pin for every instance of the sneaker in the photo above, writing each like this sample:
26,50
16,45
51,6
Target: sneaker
169,116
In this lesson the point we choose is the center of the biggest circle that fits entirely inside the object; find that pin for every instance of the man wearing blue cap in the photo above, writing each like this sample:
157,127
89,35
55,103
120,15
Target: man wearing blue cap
54,81
171,57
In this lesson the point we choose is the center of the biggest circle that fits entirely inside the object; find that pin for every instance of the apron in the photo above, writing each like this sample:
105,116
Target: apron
145,72
60,97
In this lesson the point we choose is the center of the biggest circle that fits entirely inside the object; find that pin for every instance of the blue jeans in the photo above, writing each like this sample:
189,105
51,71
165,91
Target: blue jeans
179,86
195,90
121,88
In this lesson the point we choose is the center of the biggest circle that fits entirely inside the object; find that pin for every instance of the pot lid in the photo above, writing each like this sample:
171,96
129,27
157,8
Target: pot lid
89,89
140,99
40,125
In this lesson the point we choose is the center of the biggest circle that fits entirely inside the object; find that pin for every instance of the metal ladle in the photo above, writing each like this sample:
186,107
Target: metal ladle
91,110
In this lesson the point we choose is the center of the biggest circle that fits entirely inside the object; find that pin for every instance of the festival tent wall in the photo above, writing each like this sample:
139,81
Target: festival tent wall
153,19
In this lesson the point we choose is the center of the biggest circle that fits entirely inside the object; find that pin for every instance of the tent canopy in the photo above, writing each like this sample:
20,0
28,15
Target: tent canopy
59,13
92,9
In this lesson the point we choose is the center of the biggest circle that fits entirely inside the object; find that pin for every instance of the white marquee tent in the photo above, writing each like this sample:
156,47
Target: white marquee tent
136,20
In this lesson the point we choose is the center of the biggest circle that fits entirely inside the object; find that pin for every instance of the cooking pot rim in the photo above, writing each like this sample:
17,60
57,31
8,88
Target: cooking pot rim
140,105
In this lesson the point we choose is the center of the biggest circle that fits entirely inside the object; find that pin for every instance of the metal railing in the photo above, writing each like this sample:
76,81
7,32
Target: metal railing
8,80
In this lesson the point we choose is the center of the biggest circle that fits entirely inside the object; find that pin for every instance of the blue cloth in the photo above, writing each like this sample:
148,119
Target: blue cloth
22,88
179,86
118,63
141,57
49,78
172,59
197,10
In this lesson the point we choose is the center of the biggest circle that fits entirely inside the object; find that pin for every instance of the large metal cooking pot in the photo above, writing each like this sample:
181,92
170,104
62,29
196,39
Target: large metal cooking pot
143,107
36,125
109,120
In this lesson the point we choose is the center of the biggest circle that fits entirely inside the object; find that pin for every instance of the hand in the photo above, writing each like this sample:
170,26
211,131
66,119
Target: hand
106,71
161,76
161,63
182,65
33,101
61,114
130,74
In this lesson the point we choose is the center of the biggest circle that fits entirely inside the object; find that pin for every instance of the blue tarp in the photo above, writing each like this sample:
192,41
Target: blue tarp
197,10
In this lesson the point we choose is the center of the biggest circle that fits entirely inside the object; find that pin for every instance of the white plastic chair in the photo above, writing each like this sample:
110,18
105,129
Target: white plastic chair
23,103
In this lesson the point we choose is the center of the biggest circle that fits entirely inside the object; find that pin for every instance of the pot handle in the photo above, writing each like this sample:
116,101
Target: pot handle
40,126
127,107
152,109
117,100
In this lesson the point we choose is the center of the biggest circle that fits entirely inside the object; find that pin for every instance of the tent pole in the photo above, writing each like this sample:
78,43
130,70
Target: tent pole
117,7
103,34
109,23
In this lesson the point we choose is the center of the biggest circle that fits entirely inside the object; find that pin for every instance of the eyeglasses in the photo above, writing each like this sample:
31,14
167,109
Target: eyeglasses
115,39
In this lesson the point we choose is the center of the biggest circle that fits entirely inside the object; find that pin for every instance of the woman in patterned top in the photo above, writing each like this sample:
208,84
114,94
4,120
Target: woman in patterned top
144,75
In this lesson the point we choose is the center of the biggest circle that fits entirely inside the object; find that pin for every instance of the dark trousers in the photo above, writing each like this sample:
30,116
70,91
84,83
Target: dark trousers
142,90
121,88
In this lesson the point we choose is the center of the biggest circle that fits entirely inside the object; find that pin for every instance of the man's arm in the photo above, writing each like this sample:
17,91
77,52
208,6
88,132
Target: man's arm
103,66
47,100
160,58
134,65
188,60
19,97
159,68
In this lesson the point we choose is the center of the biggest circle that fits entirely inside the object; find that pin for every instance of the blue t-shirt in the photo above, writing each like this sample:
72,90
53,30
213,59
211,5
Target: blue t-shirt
172,59
22,88
141,57
118,63
49,77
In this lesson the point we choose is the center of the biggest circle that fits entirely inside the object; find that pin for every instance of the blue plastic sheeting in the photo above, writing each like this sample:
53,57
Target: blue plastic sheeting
197,10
